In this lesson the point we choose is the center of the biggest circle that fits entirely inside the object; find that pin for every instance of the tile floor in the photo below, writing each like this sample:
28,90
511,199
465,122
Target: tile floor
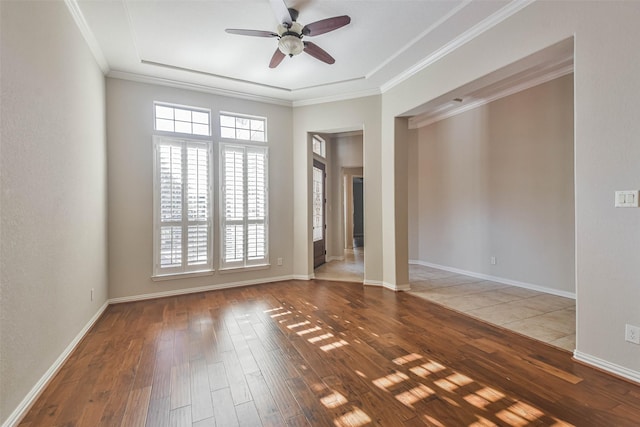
547,318
351,269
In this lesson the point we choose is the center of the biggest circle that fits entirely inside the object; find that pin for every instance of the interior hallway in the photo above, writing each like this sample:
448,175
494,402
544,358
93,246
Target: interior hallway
544,317
351,269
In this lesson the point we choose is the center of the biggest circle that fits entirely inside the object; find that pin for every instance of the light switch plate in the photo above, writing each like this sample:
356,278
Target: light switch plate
626,199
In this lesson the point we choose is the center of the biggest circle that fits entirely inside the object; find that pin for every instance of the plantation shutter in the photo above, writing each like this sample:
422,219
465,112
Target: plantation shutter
182,206
198,205
244,206
256,205
233,215
170,159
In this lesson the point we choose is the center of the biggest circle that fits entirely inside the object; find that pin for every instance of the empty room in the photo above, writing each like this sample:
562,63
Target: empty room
301,213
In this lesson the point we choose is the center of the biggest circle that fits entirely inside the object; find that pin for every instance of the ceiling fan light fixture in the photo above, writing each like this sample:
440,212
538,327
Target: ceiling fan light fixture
290,34
290,45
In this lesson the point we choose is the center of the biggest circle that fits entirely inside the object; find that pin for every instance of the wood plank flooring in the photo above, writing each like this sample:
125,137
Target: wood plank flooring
320,353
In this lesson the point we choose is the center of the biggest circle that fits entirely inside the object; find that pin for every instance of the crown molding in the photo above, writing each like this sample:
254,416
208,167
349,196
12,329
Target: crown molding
87,34
430,118
490,22
421,36
142,78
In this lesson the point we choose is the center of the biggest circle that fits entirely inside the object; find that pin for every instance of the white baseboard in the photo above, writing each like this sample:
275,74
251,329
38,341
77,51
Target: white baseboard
387,285
39,387
372,283
596,362
517,283
396,288
303,277
199,289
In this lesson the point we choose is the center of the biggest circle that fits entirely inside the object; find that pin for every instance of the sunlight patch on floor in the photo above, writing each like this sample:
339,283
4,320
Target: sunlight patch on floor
334,345
459,379
320,338
355,418
406,359
427,369
408,398
390,380
309,331
515,415
280,314
333,400
297,325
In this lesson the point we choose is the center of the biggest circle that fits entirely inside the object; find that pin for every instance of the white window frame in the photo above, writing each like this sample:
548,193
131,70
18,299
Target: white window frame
245,221
245,117
167,272
185,108
322,143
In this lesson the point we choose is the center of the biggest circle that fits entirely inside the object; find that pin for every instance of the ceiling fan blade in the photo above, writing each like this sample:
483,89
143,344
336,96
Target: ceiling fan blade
254,33
325,25
318,53
282,12
299,5
276,59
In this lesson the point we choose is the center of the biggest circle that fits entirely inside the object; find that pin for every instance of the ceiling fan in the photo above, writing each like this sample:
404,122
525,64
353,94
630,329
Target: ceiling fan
290,33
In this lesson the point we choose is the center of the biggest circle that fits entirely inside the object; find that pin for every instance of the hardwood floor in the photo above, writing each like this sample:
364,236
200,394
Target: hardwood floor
320,353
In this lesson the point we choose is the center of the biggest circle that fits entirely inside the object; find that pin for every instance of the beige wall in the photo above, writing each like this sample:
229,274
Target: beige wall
498,181
130,130
54,217
53,245
606,150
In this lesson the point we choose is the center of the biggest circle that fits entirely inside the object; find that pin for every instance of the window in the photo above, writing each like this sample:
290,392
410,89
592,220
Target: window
243,128
182,206
177,119
244,192
318,203
319,146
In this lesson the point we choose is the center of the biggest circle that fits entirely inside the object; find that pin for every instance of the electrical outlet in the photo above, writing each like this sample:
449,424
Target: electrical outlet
279,261
493,260
632,334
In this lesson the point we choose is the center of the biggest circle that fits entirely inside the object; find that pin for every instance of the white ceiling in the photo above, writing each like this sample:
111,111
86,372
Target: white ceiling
184,42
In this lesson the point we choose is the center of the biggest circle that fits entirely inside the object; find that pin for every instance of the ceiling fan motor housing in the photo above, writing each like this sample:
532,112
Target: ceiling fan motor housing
290,42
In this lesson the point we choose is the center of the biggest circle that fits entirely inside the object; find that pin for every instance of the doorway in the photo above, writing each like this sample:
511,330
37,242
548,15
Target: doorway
358,212
510,279
334,255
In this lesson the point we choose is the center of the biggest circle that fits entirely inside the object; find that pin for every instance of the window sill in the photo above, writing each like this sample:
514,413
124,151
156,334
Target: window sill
241,269
181,275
